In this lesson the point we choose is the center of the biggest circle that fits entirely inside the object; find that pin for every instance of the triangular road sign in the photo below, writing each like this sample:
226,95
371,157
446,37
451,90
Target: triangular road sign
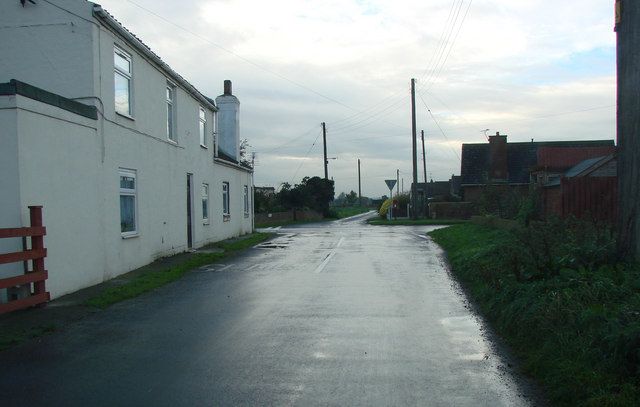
390,183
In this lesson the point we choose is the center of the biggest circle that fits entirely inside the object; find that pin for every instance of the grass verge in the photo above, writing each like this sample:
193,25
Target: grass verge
576,330
11,338
347,211
152,279
409,222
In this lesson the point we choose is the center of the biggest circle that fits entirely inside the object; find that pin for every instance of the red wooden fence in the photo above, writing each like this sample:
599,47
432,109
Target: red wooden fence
37,275
595,198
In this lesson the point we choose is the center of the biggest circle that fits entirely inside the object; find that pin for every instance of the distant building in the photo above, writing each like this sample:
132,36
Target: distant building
130,161
515,166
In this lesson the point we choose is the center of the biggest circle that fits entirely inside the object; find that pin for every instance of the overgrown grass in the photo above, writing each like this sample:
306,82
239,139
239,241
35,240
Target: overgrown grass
341,212
152,279
409,222
11,338
573,321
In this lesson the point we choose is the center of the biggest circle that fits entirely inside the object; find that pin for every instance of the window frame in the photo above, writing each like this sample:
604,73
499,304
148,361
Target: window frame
202,126
170,100
226,202
127,75
130,173
204,195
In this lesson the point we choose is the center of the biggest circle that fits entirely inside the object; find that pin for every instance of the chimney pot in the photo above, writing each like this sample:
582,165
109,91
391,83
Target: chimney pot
227,87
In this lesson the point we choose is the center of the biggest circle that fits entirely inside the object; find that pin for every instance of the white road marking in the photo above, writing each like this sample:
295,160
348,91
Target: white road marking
325,262
252,267
225,267
329,257
422,236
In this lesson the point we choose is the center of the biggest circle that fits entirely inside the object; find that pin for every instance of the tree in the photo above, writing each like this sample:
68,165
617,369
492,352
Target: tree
352,198
246,159
628,127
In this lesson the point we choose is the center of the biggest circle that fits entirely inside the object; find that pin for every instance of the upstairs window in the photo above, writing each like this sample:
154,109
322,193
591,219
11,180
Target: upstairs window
225,198
122,81
203,127
170,96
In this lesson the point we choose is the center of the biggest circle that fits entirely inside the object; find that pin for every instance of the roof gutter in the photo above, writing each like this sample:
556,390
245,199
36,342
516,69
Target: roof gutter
106,18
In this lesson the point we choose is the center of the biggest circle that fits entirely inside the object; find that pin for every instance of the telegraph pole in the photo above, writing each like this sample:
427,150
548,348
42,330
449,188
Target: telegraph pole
628,127
324,142
424,168
424,161
359,185
414,195
397,182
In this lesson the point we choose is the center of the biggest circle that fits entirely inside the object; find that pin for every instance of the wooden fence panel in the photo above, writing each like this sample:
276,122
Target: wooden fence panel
593,198
37,275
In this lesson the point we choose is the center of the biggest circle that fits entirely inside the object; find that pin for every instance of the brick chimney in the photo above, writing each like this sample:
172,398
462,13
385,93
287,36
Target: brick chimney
498,158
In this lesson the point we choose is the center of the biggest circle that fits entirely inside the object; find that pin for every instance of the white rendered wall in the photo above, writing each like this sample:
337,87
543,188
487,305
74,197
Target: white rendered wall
47,47
9,186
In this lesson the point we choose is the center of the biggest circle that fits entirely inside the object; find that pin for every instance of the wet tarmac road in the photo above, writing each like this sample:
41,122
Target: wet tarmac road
338,314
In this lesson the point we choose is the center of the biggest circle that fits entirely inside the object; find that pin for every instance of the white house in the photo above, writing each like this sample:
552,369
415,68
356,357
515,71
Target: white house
122,152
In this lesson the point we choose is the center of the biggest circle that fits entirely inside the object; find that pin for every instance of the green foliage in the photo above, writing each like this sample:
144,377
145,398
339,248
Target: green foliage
500,200
9,338
157,278
315,193
346,211
410,222
553,292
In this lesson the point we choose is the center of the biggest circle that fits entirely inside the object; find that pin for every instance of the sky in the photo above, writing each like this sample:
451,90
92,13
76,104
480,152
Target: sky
530,69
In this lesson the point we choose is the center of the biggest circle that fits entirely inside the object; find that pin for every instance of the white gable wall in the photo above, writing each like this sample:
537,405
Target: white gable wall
35,42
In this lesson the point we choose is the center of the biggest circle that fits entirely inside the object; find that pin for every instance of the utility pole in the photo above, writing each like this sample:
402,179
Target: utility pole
628,127
397,182
414,195
424,168
424,160
359,185
324,142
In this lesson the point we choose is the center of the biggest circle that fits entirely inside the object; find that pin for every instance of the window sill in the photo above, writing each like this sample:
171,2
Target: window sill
130,235
205,222
126,116
226,218
172,141
205,147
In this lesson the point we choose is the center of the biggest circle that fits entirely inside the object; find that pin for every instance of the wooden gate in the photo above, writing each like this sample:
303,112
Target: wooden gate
37,275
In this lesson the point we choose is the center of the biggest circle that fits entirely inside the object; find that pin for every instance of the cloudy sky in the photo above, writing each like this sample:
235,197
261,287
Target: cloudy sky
527,68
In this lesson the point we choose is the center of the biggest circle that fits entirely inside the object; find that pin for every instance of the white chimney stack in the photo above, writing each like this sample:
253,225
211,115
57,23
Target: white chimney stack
228,123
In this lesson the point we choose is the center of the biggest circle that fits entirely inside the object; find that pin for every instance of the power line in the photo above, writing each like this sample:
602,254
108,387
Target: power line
246,60
441,131
433,80
305,157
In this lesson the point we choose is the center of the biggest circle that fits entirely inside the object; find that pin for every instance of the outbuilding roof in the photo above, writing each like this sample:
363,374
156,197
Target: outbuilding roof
522,157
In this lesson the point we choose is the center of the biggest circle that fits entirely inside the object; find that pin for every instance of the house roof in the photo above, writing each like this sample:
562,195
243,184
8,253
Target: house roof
561,158
110,21
521,158
588,166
